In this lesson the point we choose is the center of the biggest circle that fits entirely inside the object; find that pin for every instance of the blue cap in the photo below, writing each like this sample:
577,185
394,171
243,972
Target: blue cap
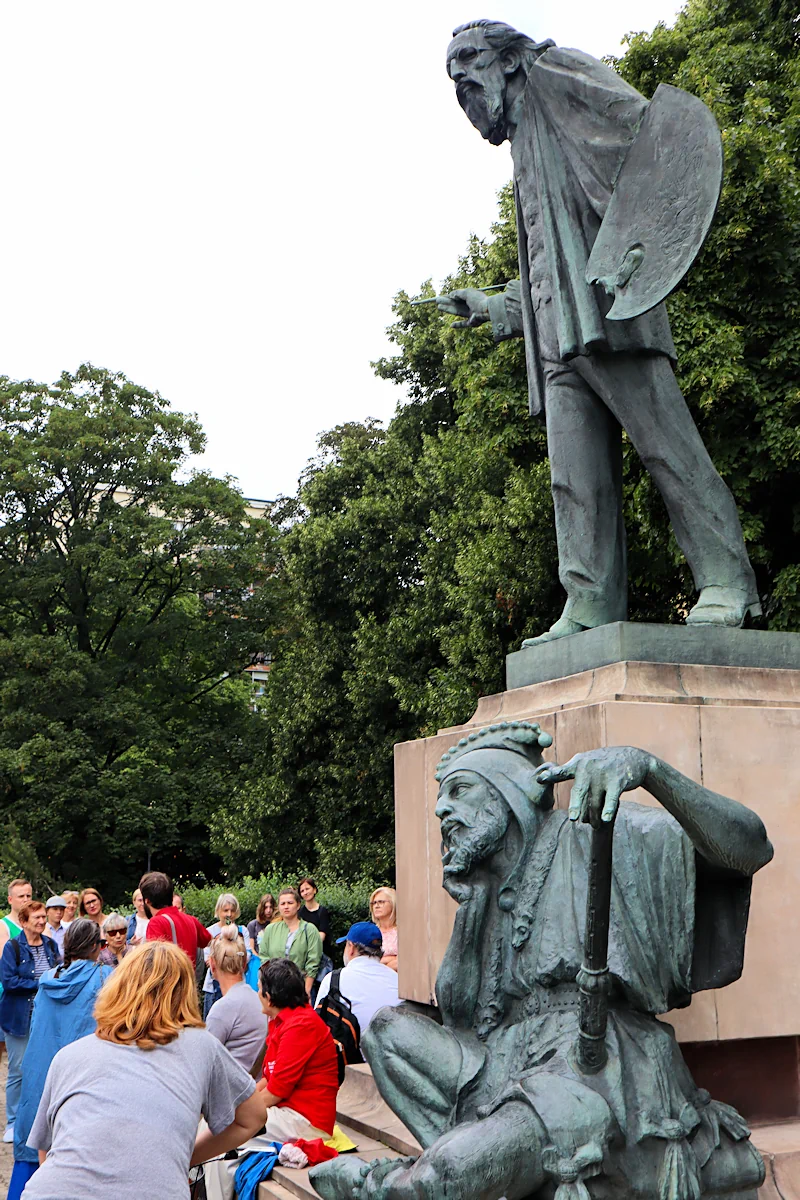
363,932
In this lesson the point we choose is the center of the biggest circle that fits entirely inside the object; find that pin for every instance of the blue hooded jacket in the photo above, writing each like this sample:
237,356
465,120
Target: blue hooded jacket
62,1013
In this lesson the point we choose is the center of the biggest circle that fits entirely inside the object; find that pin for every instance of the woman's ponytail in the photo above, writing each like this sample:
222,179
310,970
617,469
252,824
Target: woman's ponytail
228,952
80,941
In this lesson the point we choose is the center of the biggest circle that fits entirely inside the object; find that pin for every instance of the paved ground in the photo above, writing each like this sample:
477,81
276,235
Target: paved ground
6,1150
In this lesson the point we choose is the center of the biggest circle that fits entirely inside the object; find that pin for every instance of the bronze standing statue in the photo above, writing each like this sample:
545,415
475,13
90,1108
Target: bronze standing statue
551,1074
614,197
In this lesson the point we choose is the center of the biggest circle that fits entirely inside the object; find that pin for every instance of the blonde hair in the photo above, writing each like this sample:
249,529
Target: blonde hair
392,895
150,998
227,898
71,896
228,952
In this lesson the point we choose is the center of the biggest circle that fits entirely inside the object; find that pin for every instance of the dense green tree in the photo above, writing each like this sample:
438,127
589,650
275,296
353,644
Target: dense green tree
417,557
132,595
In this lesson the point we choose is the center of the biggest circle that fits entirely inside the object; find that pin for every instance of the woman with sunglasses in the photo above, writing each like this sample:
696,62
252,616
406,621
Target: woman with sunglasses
115,932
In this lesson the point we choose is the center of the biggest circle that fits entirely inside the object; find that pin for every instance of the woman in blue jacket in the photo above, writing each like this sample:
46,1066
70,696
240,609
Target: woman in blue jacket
23,962
62,1013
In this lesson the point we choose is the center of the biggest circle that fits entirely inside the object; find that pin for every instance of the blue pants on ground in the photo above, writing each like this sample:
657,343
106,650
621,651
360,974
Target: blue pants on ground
16,1047
19,1177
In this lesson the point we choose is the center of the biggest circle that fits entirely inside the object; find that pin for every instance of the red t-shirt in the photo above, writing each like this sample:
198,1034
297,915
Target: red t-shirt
300,1065
190,932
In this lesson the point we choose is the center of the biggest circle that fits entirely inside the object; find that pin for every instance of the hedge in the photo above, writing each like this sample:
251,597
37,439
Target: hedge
346,903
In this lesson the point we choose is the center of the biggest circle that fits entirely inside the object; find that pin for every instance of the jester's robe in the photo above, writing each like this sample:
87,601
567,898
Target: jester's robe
507,993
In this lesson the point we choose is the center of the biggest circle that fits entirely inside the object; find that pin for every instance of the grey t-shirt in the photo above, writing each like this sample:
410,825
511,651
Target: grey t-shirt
154,1096
239,1022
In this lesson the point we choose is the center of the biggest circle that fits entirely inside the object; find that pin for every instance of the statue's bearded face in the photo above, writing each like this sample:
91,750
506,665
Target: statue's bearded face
474,822
480,79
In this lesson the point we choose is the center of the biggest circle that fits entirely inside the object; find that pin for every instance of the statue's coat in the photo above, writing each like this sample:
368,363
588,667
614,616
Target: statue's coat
579,118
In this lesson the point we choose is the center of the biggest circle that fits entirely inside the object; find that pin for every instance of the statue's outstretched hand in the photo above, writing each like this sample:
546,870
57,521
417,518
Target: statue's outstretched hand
601,776
465,302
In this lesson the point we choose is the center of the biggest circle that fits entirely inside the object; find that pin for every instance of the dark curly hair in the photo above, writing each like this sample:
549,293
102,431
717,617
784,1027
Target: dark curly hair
283,981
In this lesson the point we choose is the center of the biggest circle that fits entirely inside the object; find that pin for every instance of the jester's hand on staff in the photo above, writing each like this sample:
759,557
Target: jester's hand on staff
601,776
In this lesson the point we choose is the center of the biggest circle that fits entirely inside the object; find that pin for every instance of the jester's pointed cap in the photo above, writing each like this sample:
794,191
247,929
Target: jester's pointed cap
525,738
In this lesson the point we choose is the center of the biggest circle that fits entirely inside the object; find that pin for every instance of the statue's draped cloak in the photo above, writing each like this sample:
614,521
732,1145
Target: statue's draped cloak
666,906
578,121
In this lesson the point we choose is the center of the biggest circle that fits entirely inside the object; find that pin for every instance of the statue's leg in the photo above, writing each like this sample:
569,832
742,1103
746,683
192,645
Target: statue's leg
416,1065
584,444
482,1160
643,394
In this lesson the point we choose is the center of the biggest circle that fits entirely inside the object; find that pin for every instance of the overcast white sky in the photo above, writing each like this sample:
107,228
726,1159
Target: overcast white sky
220,200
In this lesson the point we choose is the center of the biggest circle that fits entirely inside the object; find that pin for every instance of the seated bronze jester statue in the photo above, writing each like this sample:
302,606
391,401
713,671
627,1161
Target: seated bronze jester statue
550,1075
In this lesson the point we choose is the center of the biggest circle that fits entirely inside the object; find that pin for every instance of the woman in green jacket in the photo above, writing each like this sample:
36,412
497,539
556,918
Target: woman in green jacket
289,937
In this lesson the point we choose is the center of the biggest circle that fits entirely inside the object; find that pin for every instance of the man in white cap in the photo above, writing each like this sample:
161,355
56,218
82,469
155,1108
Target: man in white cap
56,907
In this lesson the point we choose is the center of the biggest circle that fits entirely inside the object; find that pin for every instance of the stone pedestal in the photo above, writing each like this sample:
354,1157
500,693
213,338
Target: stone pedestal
735,728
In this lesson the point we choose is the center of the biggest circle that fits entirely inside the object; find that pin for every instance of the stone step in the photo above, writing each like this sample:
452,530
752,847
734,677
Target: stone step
291,1183
359,1105
780,1146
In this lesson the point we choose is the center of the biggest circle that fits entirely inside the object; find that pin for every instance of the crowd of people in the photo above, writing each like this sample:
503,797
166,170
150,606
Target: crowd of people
108,1018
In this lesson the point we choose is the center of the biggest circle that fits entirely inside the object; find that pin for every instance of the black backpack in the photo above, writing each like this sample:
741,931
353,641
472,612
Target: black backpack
338,1015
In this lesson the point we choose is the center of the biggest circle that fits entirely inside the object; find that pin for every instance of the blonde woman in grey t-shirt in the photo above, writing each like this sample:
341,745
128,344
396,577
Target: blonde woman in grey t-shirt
151,1069
237,1020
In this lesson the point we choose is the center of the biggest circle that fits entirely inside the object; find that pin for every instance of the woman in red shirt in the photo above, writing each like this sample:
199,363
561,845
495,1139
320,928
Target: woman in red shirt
301,1076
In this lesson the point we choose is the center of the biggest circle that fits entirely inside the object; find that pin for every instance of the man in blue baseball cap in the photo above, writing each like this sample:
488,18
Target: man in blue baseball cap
364,980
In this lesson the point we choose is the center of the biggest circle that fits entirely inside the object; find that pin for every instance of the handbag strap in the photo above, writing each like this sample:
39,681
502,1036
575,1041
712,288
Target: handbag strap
172,927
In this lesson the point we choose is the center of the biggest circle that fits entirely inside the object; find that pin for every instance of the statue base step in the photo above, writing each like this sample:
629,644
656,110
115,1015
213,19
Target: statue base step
733,727
626,641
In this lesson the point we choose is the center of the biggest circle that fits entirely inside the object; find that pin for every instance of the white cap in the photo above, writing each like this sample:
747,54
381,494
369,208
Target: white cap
56,902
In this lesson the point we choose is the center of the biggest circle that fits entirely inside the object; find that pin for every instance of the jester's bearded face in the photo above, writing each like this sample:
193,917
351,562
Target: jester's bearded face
474,821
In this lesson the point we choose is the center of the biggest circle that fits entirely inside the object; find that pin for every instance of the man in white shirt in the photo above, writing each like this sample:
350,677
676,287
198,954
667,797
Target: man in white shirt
363,980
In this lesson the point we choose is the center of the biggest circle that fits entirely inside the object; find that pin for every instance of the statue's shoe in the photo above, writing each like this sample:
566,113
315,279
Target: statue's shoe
339,1178
563,627
726,606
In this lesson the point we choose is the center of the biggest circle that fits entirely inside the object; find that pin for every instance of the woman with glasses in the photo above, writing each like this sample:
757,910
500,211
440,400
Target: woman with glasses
383,913
62,1013
149,1058
115,932
91,905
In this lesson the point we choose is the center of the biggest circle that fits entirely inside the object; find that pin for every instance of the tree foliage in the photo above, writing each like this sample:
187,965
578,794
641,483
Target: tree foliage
131,599
418,556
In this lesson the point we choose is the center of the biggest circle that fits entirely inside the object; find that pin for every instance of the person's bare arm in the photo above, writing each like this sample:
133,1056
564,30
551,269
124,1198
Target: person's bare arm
267,1098
724,832
4,935
42,1156
248,1119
